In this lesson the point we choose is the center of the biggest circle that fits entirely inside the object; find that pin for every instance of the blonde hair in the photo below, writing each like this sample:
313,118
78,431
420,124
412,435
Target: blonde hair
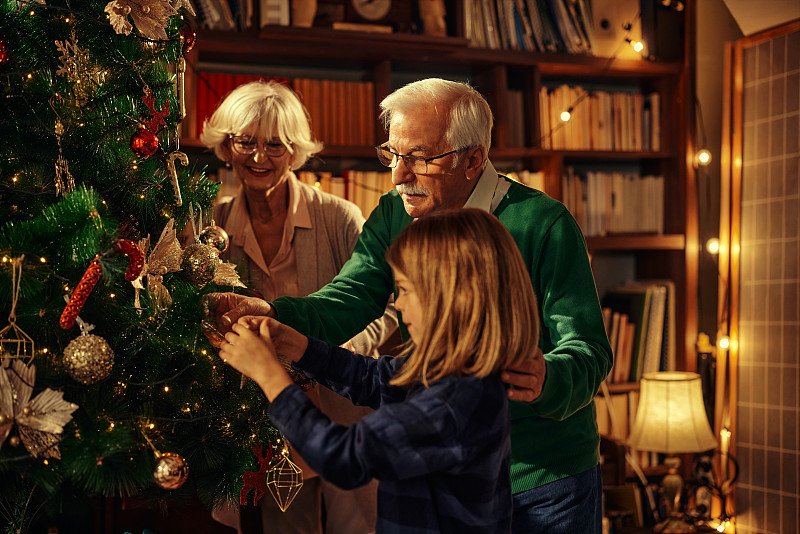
479,307
268,105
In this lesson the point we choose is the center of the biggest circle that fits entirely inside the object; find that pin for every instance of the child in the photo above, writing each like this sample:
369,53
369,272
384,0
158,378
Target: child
438,441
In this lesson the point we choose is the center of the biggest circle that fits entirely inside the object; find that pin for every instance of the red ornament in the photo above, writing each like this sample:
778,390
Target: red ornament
81,293
3,52
256,480
157,116
144,143
188,36
135,258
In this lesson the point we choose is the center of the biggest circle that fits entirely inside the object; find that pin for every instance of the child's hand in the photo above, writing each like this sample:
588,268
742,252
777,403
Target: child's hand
288,342
253,354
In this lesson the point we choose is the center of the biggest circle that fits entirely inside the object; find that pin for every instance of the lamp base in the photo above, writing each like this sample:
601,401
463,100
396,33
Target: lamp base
674,525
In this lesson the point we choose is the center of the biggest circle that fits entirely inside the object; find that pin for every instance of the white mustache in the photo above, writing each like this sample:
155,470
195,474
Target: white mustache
409,189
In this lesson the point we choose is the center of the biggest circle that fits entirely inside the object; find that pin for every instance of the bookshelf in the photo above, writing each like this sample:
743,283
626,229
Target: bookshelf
512,81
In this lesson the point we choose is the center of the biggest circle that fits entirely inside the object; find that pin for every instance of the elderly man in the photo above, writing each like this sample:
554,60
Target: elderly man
439,139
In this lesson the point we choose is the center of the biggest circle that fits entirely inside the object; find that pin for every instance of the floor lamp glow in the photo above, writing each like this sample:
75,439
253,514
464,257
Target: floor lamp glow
671,419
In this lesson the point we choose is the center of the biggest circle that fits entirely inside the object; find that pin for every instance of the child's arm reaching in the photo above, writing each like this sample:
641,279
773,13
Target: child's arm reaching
252,354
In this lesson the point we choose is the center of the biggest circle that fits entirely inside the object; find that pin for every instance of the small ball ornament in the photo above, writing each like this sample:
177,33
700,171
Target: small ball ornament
144,143
88,359
216,237
199,262
188,36
171,470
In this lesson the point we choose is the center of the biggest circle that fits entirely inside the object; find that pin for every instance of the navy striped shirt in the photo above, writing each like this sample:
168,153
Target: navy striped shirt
441,454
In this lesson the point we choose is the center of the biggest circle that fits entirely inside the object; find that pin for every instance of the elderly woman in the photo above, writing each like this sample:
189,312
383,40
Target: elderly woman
290,239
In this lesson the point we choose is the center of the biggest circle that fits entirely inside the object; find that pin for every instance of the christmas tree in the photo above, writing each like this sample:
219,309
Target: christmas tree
108,385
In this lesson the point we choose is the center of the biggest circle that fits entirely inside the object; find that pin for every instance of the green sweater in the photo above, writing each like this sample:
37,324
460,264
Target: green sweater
554,436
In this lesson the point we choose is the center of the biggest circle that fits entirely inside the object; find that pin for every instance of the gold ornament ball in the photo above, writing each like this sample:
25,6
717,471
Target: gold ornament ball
14,441
200,263
88,359
171,471
216,237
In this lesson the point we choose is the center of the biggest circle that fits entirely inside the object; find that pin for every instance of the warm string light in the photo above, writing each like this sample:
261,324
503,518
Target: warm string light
703,157
637,46
712,245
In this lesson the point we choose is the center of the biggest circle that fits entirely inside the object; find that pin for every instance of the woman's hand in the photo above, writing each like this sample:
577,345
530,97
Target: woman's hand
253,354
224,309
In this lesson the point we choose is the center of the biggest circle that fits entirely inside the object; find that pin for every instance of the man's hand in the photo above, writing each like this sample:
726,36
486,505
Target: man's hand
224,309
527,379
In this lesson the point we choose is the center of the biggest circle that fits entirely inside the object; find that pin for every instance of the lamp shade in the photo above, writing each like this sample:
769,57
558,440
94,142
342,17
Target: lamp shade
671,417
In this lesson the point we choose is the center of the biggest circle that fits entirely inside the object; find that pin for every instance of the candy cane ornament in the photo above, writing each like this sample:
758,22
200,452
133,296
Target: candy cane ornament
135,258
93,274
81,293
176,188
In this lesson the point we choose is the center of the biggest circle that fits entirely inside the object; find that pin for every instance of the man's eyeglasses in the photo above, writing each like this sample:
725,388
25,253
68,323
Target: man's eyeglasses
415,164
245,145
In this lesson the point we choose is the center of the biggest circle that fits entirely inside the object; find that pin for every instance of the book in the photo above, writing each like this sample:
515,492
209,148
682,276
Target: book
635,302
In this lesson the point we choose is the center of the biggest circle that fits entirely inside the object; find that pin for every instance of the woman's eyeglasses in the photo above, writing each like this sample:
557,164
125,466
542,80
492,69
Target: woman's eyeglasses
246,146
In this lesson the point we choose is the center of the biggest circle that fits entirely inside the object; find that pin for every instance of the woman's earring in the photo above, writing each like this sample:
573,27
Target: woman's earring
227,164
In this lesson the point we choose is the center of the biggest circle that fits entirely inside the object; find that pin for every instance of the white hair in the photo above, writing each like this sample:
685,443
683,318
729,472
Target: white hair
269,106
469,121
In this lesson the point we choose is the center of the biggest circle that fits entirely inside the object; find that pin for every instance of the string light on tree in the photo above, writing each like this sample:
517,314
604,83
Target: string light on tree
566,115
712,245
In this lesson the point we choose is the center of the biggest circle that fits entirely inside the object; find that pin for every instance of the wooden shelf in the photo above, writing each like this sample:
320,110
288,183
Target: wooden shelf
636,242
274,42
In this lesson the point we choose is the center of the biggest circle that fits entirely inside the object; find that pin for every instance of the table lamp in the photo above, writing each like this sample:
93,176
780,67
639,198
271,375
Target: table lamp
671,419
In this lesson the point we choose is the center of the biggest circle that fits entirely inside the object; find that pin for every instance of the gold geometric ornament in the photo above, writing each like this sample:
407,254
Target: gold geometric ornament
284,479
14,342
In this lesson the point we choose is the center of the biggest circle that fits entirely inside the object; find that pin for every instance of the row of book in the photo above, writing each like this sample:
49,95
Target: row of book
640,324
544,25
225,14
606,203
571,26
341,112
240,15
599,120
